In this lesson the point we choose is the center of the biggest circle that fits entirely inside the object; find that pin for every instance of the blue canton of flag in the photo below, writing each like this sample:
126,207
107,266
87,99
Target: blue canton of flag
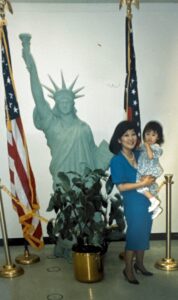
11,102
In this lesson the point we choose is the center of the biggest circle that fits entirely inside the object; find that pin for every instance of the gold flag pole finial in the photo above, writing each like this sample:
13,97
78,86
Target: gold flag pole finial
3,5
129,5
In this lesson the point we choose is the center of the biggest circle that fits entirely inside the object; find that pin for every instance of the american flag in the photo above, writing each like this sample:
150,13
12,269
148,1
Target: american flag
21,176
131,100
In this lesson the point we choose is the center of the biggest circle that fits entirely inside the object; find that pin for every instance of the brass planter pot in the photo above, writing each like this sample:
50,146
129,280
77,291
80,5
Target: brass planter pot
88,267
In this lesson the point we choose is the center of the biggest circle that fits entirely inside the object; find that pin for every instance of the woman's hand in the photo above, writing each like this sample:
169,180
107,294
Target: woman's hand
147,180
144,181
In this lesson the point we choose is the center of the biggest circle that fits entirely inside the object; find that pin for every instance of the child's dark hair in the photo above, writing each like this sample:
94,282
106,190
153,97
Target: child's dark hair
157,127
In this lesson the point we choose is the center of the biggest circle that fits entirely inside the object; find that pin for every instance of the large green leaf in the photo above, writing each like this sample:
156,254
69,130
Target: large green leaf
109,185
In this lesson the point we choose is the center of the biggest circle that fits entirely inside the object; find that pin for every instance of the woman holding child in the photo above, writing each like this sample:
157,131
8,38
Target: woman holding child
136,205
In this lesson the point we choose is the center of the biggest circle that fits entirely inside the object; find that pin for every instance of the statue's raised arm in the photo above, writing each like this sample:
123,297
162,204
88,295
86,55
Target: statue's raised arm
37,91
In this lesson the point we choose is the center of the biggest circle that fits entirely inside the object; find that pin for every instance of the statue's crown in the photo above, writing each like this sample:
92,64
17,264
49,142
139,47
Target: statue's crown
59,93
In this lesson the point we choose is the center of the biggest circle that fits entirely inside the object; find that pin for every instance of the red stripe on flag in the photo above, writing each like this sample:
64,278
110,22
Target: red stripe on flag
129,114
13,153
11,176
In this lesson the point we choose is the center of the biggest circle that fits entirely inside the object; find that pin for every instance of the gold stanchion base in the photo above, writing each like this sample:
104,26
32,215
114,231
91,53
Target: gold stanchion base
167,264
27,258
10,271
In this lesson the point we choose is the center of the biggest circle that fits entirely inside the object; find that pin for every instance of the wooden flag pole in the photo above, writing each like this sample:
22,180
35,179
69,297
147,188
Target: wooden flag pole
9,270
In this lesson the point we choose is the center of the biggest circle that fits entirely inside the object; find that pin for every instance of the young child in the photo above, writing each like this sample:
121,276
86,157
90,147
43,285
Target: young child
148,163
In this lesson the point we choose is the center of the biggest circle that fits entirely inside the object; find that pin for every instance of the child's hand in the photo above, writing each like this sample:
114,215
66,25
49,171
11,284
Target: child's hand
148,150
147,145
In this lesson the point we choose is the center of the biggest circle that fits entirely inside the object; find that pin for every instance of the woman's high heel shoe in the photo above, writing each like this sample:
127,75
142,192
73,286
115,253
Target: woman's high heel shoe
134,281
146,273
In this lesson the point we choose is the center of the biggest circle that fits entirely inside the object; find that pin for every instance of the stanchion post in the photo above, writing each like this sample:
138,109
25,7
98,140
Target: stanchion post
169,183
9,270
168,263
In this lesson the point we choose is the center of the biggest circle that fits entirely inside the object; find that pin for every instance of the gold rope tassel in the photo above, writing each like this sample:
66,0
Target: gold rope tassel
27,211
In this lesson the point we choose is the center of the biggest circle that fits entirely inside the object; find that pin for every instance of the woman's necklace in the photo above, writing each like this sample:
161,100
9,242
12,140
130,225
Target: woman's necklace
131,159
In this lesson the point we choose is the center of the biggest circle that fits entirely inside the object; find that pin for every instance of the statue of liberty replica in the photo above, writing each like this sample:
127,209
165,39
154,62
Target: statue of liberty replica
69,139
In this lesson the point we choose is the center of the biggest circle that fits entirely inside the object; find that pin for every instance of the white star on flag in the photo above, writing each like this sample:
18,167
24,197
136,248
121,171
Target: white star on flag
8,80
133,92
16,110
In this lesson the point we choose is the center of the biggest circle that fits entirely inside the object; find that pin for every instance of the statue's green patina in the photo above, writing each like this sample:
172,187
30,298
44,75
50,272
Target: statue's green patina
70,140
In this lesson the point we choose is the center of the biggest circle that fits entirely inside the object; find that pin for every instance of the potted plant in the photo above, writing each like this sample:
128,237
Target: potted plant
81,217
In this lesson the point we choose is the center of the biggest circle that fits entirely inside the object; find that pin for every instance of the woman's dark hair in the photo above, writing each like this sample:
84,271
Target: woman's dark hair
156,127
120,129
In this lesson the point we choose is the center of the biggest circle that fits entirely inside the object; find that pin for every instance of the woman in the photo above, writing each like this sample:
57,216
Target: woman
123,171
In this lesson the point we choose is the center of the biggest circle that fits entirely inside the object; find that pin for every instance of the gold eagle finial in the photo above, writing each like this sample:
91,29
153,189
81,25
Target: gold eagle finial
3,5
129,2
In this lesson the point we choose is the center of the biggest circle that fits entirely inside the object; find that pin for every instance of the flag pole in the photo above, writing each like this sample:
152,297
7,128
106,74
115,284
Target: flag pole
7,74
129,4
9,270
168,263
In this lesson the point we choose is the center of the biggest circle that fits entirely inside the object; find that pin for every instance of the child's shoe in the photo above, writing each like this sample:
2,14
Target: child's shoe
156,212
154,204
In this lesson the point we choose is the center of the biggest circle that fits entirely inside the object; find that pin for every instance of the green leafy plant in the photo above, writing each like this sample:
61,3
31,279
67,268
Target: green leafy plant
81,208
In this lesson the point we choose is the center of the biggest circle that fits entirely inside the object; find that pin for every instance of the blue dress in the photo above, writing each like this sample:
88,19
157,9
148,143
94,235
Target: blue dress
136,205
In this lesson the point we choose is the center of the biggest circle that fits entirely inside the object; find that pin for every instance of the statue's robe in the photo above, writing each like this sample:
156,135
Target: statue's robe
72,147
